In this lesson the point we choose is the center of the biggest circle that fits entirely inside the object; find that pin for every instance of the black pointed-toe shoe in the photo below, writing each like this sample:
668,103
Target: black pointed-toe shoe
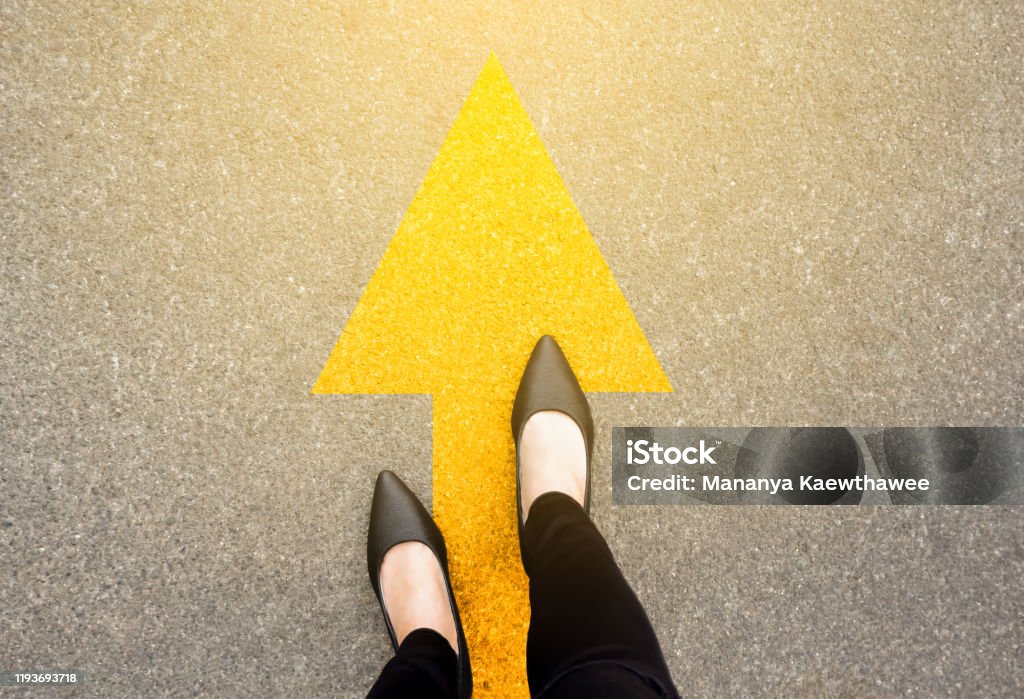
549,383
397,516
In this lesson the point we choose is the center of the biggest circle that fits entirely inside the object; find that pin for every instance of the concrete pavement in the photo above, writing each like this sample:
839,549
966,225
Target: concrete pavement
816,215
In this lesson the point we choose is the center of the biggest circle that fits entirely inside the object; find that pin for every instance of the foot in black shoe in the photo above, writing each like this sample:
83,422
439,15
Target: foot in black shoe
414,592
552,457
547,449
408,565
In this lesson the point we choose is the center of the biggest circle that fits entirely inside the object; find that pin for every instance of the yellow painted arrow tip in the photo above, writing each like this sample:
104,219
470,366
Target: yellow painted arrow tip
491,254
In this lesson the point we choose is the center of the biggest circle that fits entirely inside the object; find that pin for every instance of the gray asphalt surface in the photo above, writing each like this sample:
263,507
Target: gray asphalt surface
816,213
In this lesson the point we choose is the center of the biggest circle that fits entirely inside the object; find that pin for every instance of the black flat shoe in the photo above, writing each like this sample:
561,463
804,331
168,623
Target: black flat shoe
397,516
548,383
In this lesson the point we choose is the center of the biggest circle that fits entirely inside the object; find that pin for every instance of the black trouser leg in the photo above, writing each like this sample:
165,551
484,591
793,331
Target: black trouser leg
589,635
424,666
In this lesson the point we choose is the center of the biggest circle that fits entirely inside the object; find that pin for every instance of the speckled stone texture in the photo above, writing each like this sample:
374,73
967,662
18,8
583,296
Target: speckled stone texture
816,214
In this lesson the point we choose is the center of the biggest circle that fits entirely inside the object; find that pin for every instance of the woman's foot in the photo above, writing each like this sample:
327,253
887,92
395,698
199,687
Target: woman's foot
415,593
552,456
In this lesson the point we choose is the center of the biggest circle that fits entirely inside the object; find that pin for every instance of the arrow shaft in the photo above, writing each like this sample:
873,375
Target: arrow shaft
474,504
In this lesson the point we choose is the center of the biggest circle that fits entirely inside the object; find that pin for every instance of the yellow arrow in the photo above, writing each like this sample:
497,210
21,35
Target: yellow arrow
491,255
